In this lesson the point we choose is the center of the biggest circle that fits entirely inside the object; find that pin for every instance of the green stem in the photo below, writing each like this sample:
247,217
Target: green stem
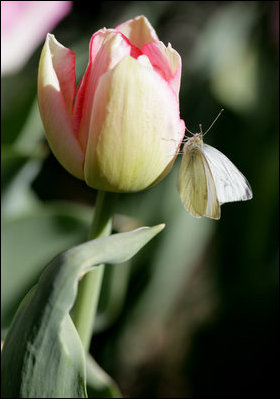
90,286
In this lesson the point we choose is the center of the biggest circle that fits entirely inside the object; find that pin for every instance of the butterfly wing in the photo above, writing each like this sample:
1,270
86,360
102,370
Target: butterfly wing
213,209
196,185
230,183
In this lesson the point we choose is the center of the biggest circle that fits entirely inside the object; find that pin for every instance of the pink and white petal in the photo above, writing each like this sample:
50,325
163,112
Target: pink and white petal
95,44
166,61
107,48
55,93
63,61
135,128
138,30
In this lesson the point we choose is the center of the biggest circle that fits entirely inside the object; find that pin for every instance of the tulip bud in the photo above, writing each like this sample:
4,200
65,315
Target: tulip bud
120,129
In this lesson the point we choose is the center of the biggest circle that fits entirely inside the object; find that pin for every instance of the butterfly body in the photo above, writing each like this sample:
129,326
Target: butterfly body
207,179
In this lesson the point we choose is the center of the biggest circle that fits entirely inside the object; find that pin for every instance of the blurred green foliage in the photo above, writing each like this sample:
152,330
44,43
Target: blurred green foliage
195,314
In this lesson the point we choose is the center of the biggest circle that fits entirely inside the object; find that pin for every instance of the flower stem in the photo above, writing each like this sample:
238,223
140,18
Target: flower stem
90,286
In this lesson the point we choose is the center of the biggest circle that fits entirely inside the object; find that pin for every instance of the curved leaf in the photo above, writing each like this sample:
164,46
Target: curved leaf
29,241
42,355
99,383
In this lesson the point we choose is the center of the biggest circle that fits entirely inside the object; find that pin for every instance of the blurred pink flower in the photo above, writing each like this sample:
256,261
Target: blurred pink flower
24,25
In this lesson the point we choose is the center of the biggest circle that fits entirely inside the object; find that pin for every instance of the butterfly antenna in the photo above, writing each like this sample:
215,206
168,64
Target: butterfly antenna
189,131
212,122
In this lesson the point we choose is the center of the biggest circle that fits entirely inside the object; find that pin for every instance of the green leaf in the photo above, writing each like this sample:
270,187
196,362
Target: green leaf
99,383
30,241
42,355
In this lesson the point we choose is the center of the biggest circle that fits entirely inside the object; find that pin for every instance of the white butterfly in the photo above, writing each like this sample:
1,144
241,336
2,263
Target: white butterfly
208,179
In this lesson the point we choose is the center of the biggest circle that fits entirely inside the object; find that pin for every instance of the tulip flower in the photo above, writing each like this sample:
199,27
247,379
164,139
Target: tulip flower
120,129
